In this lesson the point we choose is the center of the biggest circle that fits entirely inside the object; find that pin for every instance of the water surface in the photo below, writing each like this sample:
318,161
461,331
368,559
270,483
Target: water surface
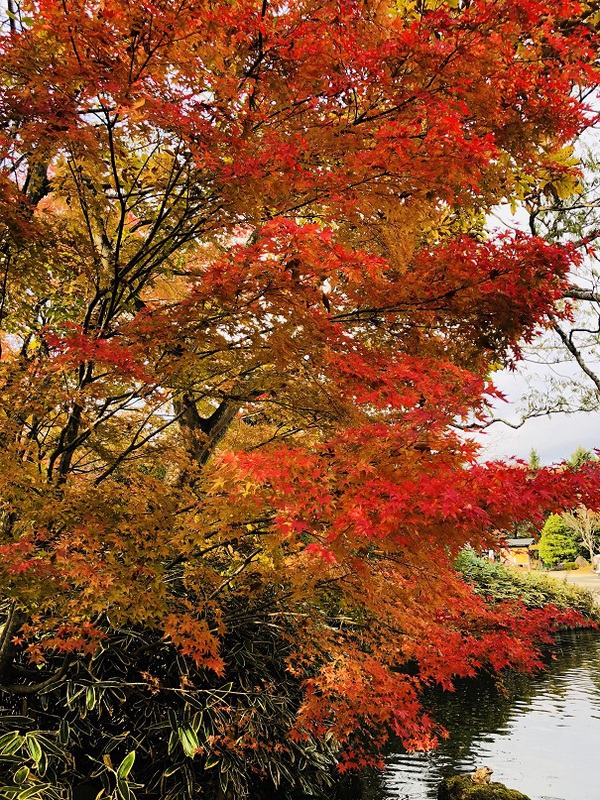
540,734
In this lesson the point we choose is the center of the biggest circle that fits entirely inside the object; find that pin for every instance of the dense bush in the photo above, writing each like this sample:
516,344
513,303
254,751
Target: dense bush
137,719
534,589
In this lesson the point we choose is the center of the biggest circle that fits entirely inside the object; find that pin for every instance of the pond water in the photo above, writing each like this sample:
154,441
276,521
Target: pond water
540,734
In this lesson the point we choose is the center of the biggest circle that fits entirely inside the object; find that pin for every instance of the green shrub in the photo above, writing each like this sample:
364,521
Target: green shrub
534,589
137,694
570,565
558,542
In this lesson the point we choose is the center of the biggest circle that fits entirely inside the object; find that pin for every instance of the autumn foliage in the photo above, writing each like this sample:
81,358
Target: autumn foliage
248,306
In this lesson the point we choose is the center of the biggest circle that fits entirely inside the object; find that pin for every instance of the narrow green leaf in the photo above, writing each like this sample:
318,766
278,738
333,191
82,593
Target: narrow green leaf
90,697
35,751
34,791
125,766
21,775
211,761
189,741
12,746
123,790
16,721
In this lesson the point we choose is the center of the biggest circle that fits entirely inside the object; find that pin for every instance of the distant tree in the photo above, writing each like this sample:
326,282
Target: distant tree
585,524
579,457
558,542
534,460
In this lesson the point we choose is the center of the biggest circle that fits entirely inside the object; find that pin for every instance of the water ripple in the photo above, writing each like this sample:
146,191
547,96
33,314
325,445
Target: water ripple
540,735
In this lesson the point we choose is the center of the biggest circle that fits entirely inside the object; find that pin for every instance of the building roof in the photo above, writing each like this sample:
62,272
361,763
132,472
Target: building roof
519,542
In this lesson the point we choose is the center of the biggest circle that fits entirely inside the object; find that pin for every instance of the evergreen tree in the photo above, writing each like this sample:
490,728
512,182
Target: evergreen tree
558,542
534,460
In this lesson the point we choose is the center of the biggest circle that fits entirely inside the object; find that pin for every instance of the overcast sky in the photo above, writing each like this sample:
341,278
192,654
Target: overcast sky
553,437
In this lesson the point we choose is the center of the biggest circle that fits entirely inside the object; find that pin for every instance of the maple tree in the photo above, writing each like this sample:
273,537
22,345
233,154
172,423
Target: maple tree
248,298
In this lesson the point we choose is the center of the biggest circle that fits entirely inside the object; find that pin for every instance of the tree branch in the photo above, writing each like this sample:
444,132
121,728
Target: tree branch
568,343
203,434
577,293
14,620
34,688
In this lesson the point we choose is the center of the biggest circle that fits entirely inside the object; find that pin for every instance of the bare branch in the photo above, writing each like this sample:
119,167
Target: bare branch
577,293
568,343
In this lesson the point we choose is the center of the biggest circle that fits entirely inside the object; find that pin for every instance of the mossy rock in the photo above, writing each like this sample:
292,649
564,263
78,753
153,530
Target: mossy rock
461,787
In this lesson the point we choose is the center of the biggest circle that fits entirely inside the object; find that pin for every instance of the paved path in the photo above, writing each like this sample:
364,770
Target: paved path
585,578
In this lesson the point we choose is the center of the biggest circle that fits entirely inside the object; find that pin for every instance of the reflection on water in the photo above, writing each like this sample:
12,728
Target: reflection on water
540,734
